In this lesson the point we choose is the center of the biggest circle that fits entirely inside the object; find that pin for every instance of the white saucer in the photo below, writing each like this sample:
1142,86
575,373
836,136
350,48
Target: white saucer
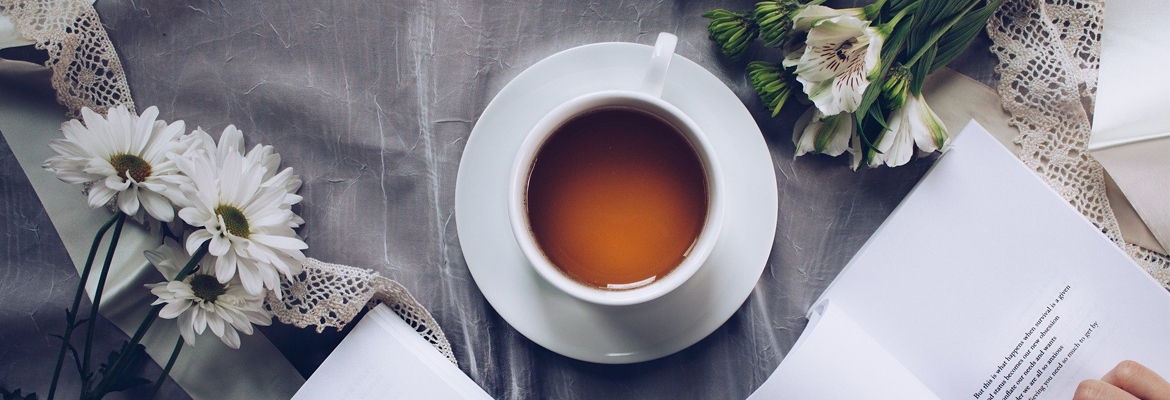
609,334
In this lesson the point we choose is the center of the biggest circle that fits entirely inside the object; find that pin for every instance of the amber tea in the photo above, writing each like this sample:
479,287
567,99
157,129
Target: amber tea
616,198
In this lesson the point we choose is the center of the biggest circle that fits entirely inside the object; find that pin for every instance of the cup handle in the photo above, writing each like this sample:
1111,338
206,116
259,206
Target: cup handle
659,62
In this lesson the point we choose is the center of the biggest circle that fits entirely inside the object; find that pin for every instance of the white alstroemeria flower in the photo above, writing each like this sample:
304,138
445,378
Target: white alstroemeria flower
928,130
245,218
804,20
839,55
199,301
125,155
232,140
811,14
913,124
818,133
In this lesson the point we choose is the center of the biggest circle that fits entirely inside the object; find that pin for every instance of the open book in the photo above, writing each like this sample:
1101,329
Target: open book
384,358
982,284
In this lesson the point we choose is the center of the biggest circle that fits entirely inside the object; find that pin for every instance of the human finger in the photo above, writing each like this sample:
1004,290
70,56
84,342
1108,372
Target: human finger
1093,389
1138,380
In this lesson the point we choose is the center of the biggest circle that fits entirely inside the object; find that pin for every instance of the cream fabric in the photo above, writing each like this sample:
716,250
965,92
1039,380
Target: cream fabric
1131,131
1142,172
958,99
1131,87
9,37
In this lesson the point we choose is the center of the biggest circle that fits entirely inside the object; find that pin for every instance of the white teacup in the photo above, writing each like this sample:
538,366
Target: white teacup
646,99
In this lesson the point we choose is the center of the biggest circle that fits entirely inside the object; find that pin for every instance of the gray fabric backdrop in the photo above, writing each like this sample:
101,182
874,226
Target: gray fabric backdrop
372,103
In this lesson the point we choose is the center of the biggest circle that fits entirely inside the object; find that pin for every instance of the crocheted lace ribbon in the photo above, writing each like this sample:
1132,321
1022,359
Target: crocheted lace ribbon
1048,58
327,294
86,70
88,73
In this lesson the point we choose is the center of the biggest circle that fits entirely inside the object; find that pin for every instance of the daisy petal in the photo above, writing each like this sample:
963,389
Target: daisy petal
280,242
100,195
157,206
219,246
231,339
128,201
172,310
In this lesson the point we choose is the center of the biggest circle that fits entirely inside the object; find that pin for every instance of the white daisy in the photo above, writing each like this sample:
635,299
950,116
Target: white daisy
913,124
125,155
232,140
818,133
839,54
245,218
199,301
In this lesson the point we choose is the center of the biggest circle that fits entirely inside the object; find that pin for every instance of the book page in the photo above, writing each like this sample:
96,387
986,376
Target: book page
835,359
384,358
985,284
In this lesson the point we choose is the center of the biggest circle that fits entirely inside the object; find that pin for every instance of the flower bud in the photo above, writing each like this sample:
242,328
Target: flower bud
896,87
772,83
732,31
774,18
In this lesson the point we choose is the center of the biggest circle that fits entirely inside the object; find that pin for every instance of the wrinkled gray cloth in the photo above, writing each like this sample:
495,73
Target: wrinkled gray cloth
372,103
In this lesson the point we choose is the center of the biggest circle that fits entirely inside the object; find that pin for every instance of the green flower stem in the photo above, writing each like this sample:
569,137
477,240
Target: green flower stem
939,33
119,221
872,10
195,258
72,314
119,364
901,14
167,369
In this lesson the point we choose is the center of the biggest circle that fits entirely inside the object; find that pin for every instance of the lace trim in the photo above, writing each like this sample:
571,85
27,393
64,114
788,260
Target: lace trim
331,295
86,69
88,73
1048,57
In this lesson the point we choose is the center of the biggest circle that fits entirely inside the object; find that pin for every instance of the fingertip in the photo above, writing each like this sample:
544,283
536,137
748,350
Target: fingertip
1089,389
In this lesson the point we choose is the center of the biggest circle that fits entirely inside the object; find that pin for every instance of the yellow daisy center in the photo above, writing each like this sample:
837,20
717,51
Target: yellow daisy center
206,287
234,220
131,166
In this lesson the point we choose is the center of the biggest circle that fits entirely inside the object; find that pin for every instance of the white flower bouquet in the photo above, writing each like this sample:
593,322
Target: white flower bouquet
862,68
235,222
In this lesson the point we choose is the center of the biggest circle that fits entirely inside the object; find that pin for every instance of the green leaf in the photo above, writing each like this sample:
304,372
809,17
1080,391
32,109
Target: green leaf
951,44
868,98
120,380
926,39
930,17
875,113
921,69
6,395
897,39
896,6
